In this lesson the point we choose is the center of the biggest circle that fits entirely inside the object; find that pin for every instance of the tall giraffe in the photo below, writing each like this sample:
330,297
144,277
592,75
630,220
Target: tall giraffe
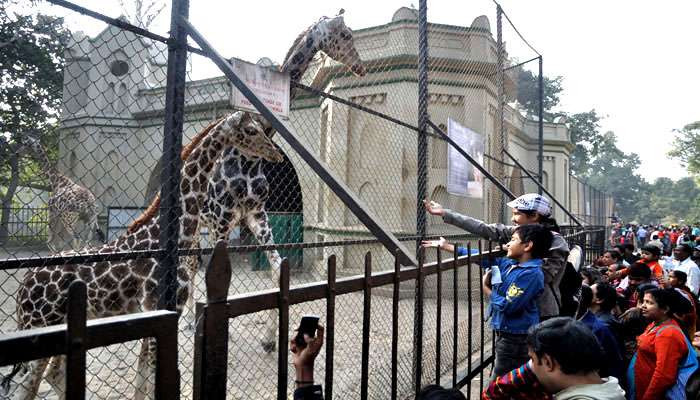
238,188
68,202
121,287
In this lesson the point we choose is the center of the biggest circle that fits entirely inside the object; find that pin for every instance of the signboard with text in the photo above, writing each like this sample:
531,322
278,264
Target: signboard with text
271,86
462,178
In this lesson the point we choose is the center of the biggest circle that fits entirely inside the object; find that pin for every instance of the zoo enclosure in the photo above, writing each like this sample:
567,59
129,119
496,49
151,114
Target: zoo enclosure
412,153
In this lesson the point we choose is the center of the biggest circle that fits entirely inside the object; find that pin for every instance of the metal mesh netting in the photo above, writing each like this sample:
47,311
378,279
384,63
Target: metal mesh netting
109,143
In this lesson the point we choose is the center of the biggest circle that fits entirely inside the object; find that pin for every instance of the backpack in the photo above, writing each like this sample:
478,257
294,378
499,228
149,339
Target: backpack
570,285
685,371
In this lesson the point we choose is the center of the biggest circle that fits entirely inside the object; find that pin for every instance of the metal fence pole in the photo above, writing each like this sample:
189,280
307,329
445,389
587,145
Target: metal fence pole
421,177
422,151
540,125
498,211
172,144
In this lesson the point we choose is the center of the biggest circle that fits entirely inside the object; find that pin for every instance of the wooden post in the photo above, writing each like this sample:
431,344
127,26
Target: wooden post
75,340
215,360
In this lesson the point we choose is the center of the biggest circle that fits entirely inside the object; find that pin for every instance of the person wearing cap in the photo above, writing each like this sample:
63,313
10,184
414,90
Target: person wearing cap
527,209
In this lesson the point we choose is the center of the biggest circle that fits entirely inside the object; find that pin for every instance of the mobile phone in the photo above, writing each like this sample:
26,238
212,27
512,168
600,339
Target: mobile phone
308,326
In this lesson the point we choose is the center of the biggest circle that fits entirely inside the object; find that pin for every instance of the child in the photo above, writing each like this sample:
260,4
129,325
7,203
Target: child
514,300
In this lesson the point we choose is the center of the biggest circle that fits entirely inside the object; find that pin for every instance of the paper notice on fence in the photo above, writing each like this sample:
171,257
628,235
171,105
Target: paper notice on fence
271,86
462,178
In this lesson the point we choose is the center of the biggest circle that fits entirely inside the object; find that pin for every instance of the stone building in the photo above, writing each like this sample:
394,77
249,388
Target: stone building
114,106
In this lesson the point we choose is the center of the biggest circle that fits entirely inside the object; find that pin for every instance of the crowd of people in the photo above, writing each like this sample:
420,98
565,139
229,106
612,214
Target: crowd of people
621,328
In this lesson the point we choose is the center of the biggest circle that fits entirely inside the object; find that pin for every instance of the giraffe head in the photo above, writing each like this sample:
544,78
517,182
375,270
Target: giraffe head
252,136
329,35
337,42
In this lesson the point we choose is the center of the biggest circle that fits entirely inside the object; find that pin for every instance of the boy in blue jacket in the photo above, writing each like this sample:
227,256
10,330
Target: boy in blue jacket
514,299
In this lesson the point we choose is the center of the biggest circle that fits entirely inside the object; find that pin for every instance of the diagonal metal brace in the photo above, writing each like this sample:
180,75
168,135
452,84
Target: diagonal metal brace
286,131
469,158
537,182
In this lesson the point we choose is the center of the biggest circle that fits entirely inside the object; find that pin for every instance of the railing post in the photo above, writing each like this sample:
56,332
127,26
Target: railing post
418,324
330,325
75,340
395,326
366,314
283,344
215,357
167,371
438,317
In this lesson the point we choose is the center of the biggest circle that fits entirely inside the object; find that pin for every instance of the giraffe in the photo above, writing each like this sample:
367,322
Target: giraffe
237,189
127,286
68,202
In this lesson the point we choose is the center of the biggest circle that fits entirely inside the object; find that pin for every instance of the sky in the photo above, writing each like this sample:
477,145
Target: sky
634,62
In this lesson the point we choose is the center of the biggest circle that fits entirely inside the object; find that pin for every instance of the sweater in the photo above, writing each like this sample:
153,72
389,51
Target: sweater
553,265
658,358
608,390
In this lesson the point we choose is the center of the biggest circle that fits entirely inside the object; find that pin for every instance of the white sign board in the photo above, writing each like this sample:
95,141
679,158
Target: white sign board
462,178
272,87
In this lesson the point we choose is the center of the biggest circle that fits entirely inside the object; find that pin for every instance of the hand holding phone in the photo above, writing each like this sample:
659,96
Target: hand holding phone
308,326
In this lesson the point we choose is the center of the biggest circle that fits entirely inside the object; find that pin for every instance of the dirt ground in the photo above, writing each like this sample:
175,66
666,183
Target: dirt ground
253,373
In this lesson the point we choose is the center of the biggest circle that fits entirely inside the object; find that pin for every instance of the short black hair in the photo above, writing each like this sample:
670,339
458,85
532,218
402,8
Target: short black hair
437,392
680,275
671,299
643,288
540,237
614,254
607,294
639,271
651,249
628,246
592,274
569,342
685,247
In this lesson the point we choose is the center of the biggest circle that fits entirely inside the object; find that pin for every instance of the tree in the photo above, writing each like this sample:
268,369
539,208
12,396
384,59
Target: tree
31,62
143,13
529,95
613,171
584,131
686,147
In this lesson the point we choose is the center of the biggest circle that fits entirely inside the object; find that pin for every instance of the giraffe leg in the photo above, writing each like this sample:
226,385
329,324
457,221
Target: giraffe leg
56,375
258,224
192,263
51,232
146,371
23,383
69,220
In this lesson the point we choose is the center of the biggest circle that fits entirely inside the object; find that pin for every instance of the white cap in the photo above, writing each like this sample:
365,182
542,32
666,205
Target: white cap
532,202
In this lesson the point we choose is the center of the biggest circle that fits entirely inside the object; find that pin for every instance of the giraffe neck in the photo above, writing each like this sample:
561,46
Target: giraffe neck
56,179
195,174
302,52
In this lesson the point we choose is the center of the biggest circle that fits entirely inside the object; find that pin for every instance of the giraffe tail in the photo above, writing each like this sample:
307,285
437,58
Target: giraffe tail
7,380
100,235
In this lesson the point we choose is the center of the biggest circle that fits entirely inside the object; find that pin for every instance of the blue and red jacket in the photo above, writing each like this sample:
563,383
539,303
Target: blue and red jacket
514,301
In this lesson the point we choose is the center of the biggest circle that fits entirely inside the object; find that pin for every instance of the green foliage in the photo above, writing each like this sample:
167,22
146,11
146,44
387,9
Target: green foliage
686,147
31,60
528,93
583,129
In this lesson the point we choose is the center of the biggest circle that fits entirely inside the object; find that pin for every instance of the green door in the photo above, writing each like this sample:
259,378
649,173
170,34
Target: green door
286,228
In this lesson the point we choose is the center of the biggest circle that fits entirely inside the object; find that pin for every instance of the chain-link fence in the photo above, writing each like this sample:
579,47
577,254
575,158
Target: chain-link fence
360,107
